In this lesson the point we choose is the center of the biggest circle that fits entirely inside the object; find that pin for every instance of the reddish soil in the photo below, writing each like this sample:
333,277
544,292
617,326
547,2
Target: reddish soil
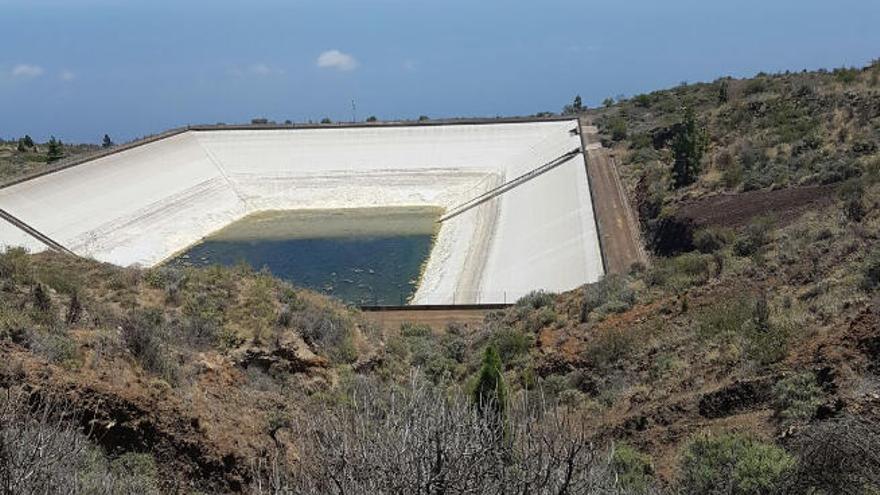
736,210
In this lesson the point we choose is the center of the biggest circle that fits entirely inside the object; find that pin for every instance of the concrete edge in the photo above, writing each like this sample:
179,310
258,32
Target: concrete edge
88,157
433,307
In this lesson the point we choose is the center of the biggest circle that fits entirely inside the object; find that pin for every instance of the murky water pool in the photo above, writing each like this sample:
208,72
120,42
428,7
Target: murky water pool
362,256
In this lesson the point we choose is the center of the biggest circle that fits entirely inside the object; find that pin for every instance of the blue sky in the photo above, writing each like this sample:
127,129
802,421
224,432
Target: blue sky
80,68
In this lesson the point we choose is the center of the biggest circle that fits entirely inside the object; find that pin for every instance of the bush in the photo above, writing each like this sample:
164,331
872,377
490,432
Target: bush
753,237
840,455
617,128
680,272
796,397
15,266
709,240
415,330
55,346
733,464
43,451
328,330
746,322
611,294
536,299
871,271
727,318
608,346
448,448
511,343
633,468
146,335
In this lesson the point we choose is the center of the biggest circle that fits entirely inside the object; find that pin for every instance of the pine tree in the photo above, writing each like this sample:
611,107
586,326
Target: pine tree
723,92
490,394
578,104
107,143
56,150
25,144
688,145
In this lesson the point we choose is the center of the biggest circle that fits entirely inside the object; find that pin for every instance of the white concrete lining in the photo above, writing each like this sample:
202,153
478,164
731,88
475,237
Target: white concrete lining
147,203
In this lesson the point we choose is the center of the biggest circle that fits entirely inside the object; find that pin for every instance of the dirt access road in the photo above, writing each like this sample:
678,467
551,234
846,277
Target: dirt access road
618,228
437,319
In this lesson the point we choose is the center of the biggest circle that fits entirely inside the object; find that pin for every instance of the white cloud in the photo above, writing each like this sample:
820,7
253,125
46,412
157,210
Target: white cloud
334,59
67,75
27,71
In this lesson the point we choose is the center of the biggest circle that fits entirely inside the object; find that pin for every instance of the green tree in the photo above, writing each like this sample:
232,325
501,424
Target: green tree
607,102
107,142
578,104
56,150
25,144
326,120
423,118
490,394
723,92
688,146
372,118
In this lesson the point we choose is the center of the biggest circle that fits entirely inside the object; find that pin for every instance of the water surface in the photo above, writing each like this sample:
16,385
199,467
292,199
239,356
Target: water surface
362,256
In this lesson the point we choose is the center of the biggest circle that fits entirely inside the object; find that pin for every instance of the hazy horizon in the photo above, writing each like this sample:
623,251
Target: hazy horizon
80,68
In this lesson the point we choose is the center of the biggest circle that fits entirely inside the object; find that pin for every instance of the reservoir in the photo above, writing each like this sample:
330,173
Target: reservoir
362,256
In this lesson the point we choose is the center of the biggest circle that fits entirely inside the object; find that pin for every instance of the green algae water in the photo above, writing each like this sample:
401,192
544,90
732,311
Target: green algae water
362,256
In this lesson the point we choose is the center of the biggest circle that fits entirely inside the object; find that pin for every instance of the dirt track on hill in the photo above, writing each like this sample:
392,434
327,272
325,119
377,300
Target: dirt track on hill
436,319
737,210
618,228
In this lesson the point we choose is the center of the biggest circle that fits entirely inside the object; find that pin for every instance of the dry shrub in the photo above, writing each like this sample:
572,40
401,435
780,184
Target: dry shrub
43,451
420,439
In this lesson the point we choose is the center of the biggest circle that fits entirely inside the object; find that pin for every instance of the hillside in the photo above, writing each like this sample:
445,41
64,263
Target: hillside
18,161
744,358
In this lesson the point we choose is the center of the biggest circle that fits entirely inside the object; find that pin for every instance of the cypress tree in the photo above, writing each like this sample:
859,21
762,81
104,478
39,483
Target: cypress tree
490,394
56,150
688,146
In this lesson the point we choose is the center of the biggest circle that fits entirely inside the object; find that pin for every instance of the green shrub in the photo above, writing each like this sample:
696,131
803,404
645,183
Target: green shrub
146,334
490,392
746,322
634,469
55,346
611,294
608,346
871,271
536,299
511,343
709,240
680,272
536,320
15,266
796,397
617,128
408,329
733,464
139,472
753,237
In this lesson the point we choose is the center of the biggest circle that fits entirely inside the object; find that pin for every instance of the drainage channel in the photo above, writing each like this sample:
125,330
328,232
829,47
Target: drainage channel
36,234
488,195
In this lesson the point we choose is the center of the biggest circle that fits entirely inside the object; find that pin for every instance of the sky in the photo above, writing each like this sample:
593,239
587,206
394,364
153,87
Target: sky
78,69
